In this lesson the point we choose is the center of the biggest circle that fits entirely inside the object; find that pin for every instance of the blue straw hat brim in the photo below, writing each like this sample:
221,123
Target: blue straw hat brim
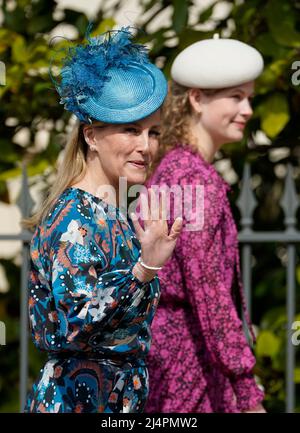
131,94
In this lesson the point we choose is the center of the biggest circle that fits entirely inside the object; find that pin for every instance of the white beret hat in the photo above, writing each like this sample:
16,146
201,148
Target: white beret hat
217,63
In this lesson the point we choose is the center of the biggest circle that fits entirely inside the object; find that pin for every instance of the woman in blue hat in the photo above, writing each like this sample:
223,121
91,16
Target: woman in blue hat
93,289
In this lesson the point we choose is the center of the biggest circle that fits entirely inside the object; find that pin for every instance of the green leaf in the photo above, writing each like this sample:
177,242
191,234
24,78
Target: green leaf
8,153
298,274
38,168
14,77
180,15
297,375
274,320
41,87
271,75
268,344
5,39
15,20
281,18
20,53
32,170
71,16
274,113
267,45
10,174
24,3
104,26
41,23
206,14
38,51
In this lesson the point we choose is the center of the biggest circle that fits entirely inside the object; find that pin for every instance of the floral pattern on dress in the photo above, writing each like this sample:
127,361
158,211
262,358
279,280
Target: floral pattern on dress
200,360
87,310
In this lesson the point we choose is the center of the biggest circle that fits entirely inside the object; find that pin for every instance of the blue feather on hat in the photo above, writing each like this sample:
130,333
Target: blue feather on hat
86,67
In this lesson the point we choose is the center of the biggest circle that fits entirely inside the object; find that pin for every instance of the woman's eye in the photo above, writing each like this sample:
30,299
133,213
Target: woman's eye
237,97
132,130
155,134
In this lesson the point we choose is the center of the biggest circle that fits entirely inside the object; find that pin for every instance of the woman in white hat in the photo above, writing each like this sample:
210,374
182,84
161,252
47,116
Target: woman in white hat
93,288
200,360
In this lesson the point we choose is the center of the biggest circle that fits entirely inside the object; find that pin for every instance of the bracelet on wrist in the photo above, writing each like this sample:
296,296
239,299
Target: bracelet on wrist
143,274
151,268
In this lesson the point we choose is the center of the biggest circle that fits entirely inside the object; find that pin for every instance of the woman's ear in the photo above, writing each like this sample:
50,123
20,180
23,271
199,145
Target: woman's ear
89,135
195,98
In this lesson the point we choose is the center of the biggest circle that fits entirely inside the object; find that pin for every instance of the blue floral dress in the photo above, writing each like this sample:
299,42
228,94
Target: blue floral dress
87,310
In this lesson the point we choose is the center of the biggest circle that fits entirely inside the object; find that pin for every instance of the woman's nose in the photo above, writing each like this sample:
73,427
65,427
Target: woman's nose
144,142
246,109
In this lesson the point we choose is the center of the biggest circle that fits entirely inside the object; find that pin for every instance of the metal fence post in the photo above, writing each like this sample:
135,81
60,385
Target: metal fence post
25,203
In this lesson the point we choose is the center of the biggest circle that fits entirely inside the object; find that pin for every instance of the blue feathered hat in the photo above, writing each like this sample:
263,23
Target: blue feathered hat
110,79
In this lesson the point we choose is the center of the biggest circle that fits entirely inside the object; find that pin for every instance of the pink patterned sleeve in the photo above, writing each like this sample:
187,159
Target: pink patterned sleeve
204,262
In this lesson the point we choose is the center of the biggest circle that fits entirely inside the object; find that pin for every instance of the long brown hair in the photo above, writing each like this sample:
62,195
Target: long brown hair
71,169
176,117
176,112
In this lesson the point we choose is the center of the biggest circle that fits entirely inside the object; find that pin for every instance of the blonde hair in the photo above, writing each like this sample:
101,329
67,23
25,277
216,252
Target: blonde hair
71,169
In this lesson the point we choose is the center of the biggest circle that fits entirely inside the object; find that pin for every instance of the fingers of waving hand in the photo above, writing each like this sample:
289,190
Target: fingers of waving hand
149,207
156,217
175,229
154,205
137,226
145,214
151,210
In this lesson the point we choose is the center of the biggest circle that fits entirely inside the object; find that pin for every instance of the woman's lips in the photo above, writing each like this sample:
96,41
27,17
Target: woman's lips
240,125
140,165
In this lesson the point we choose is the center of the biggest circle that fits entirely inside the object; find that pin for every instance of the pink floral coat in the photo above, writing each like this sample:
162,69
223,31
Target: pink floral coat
200,360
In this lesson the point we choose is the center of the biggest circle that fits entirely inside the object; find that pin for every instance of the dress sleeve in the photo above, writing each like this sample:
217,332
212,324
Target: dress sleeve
202,257
93,286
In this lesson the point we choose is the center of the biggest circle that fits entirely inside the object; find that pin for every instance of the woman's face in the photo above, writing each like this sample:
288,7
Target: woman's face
125,150
224,114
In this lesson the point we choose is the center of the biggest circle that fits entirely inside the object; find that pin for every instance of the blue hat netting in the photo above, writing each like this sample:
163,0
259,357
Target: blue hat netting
86,67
